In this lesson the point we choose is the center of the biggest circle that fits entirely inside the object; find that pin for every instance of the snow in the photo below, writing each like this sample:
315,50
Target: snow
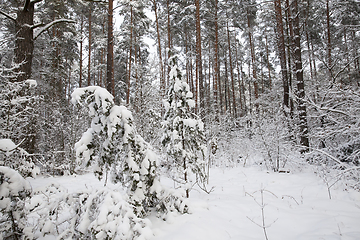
12,185
298,203
7,145
31,83
296,206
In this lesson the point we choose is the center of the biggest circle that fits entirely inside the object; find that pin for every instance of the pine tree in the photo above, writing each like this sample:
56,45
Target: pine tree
184,132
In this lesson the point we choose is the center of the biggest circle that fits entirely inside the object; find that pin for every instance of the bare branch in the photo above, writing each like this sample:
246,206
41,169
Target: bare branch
8,16
49,25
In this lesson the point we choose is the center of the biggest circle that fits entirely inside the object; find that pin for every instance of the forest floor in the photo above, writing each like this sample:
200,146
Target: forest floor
295,206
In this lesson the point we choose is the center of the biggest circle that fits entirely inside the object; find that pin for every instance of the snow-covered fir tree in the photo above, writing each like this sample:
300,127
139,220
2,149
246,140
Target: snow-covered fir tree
111,143
184,137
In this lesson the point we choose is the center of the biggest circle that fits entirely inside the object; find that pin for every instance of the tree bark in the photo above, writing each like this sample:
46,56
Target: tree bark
200,83
81,49
130,57
217,87
253,60
24,40
110,85
328,39
162,79
298,72
89,57
282,56
168,41
231,71
268,61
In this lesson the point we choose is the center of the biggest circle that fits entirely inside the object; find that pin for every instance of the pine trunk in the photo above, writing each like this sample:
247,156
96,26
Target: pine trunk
282,56
110,52
162,79
81,49
200,84
130,57
231,71
24,41
89,57
298,72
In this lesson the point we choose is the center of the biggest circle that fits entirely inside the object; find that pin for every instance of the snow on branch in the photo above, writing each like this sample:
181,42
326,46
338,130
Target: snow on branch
8,16
328,109
49,25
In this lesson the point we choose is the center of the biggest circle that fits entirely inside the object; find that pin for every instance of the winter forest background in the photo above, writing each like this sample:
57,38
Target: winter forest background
173,89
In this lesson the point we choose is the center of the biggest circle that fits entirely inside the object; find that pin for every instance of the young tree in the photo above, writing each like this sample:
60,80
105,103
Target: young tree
111,143
184,132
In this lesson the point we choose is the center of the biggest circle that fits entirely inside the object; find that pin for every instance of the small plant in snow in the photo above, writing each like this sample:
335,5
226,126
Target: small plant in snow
183,131
262,206
14,191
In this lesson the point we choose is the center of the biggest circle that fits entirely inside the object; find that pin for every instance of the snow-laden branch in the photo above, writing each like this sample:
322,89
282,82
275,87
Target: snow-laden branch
35,1
8,16
330,156
49,25
309,101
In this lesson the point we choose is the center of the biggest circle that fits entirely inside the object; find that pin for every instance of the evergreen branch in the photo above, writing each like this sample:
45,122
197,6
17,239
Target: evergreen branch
49,25
8,16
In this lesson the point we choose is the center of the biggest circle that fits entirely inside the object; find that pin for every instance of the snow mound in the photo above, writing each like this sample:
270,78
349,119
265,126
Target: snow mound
7,145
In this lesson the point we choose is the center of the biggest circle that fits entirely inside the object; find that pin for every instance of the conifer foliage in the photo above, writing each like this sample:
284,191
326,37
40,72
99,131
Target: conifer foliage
111,143
184,137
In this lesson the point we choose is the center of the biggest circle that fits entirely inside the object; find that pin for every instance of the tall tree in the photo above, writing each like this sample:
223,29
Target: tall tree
199,94
282,56
298,72
110,84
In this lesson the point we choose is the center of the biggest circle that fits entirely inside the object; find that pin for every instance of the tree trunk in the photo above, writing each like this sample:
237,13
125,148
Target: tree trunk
24,40
328,40
89,57
298,72
162,79
231,71
217,87
81,48
268,61
168,41
253,60
200,82
239,81
130,56
282,56
110,86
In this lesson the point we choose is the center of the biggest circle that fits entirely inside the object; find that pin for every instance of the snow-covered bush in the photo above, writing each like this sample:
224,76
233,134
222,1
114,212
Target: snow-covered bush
11,155
106,215
184,137
52,212
111,143
17,115
18,103
14,191
90,214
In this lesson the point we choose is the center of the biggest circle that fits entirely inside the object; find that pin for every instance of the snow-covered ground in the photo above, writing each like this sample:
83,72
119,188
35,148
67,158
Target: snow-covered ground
296,206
